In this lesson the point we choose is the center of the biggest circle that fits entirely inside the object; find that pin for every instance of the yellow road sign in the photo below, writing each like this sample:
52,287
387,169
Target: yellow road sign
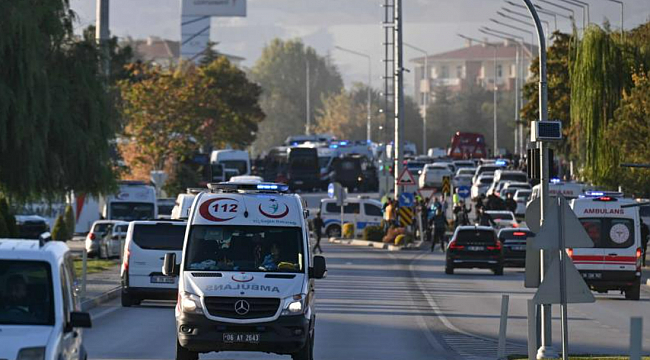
405,216
446,185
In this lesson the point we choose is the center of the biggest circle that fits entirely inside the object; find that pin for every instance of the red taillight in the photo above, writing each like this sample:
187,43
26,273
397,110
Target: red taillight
569,252
454,246
126,260
639,255
91,236
515,225
605,198
497,247
519,233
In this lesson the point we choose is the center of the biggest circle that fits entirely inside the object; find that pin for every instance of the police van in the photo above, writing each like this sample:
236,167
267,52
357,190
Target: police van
614,263
360,211
246,276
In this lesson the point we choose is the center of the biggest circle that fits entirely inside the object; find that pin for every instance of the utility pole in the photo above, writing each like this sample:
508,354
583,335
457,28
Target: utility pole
102,35
307,105
399,95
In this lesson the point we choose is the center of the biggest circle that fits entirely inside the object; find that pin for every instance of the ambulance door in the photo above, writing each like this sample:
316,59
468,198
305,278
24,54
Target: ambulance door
590,260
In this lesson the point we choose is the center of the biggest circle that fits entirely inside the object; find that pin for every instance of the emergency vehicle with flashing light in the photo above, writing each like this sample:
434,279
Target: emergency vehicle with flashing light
246,277
614,263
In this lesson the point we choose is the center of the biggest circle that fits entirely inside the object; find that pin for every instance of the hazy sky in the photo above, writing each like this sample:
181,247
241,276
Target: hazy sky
429,24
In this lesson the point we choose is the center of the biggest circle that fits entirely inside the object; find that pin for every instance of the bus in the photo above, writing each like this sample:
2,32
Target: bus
467,146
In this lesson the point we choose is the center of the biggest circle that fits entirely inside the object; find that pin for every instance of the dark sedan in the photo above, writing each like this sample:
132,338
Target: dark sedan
514,245
474,247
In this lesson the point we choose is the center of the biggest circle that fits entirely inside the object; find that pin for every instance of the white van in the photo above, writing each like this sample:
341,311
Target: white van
146,244
361,211
570,190
235,160
134,200
40,316
614,263
246,274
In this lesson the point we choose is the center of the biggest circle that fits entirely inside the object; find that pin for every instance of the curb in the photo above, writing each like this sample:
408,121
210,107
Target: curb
373,244
92,303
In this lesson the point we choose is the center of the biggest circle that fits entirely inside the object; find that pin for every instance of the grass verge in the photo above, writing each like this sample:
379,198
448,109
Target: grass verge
94,265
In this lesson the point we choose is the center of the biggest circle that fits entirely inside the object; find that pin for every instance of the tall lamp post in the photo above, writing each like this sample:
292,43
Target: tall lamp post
518,60
622,10
427,94
369,100
496,88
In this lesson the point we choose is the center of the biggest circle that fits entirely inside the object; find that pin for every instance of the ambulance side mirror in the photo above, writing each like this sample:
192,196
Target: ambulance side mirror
169,267
319,269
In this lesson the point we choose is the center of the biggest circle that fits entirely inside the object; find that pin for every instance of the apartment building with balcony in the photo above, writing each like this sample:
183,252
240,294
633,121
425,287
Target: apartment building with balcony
472,64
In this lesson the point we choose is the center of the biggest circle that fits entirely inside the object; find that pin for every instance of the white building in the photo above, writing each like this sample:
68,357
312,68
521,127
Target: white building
472,64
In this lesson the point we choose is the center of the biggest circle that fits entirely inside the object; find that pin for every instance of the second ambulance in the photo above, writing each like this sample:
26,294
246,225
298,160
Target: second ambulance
614,263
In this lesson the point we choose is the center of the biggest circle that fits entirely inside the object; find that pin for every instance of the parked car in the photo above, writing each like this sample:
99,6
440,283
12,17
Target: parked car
97,231
514,245
474,247
31,226
110,245
45,322
503,218
481,185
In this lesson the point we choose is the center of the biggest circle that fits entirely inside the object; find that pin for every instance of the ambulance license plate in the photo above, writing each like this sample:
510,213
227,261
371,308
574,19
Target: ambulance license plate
156,279
232,338
592,275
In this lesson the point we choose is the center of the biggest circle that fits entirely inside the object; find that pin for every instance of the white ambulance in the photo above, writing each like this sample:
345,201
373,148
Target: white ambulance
614,263
246,277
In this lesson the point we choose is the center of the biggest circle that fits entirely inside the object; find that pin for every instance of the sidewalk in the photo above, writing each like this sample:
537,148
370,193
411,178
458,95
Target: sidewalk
101,287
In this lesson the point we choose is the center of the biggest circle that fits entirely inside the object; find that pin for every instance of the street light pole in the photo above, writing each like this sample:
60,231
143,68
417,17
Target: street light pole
494,91
622,10
399,96
369,90
427,94
308,100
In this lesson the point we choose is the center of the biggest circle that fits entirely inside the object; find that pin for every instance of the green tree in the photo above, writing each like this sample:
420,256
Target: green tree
9,218
558,61
70,223
281,71
55,115
60,230
4,231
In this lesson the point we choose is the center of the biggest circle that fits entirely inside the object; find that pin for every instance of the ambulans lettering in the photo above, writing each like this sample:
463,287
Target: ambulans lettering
251,287
605,211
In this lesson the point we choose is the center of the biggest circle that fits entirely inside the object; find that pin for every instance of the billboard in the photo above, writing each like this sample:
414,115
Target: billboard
214,7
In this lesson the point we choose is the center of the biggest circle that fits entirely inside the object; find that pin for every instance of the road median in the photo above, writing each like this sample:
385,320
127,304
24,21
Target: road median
372,244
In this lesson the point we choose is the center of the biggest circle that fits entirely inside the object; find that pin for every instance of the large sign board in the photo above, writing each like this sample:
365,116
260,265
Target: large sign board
214,7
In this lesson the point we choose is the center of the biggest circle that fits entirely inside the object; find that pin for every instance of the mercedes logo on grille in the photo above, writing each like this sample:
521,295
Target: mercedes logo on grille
242,307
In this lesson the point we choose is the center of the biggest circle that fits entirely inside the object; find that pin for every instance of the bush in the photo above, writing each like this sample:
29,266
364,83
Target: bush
373,233
69,221
60,231
348,231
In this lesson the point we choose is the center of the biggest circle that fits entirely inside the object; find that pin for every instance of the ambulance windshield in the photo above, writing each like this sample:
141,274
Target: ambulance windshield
245,248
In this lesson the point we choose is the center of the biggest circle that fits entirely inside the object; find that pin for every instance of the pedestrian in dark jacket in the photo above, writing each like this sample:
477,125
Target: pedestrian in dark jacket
511,204
439,229
485,219
318,224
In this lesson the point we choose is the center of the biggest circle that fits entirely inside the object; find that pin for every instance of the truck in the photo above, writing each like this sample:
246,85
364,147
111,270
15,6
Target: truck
135,200
228,163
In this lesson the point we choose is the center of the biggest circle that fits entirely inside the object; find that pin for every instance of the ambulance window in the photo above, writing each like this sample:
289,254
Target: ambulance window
592,227
644,211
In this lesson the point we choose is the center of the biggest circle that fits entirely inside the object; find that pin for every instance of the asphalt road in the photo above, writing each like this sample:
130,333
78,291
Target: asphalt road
379,305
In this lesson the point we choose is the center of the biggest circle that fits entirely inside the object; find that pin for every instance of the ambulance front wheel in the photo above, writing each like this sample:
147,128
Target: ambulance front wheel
334,231
633,292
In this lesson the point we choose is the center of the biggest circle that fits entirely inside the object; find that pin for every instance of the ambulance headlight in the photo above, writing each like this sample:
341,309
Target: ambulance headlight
32,353
294,305
190,303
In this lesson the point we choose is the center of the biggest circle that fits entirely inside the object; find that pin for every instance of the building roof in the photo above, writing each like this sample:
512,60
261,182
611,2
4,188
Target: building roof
156,49
477,52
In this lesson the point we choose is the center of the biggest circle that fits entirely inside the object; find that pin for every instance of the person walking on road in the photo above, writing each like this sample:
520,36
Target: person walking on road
439,229
318,228
484,219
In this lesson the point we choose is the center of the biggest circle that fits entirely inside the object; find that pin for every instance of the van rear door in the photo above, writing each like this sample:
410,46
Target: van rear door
149,244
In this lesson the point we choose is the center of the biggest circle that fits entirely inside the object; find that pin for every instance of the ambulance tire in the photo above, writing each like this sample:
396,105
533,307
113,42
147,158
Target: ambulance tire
449,269
184,354
633,292
334,231
126,299
307,351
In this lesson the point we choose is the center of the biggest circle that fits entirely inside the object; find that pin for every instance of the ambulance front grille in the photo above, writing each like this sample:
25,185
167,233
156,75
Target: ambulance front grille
224,307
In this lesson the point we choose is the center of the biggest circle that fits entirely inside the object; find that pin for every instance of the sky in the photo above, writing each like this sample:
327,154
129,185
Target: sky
431,25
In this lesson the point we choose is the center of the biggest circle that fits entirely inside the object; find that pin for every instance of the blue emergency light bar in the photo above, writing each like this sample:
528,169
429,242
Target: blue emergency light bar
555,181
500,163
237,186
603,193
